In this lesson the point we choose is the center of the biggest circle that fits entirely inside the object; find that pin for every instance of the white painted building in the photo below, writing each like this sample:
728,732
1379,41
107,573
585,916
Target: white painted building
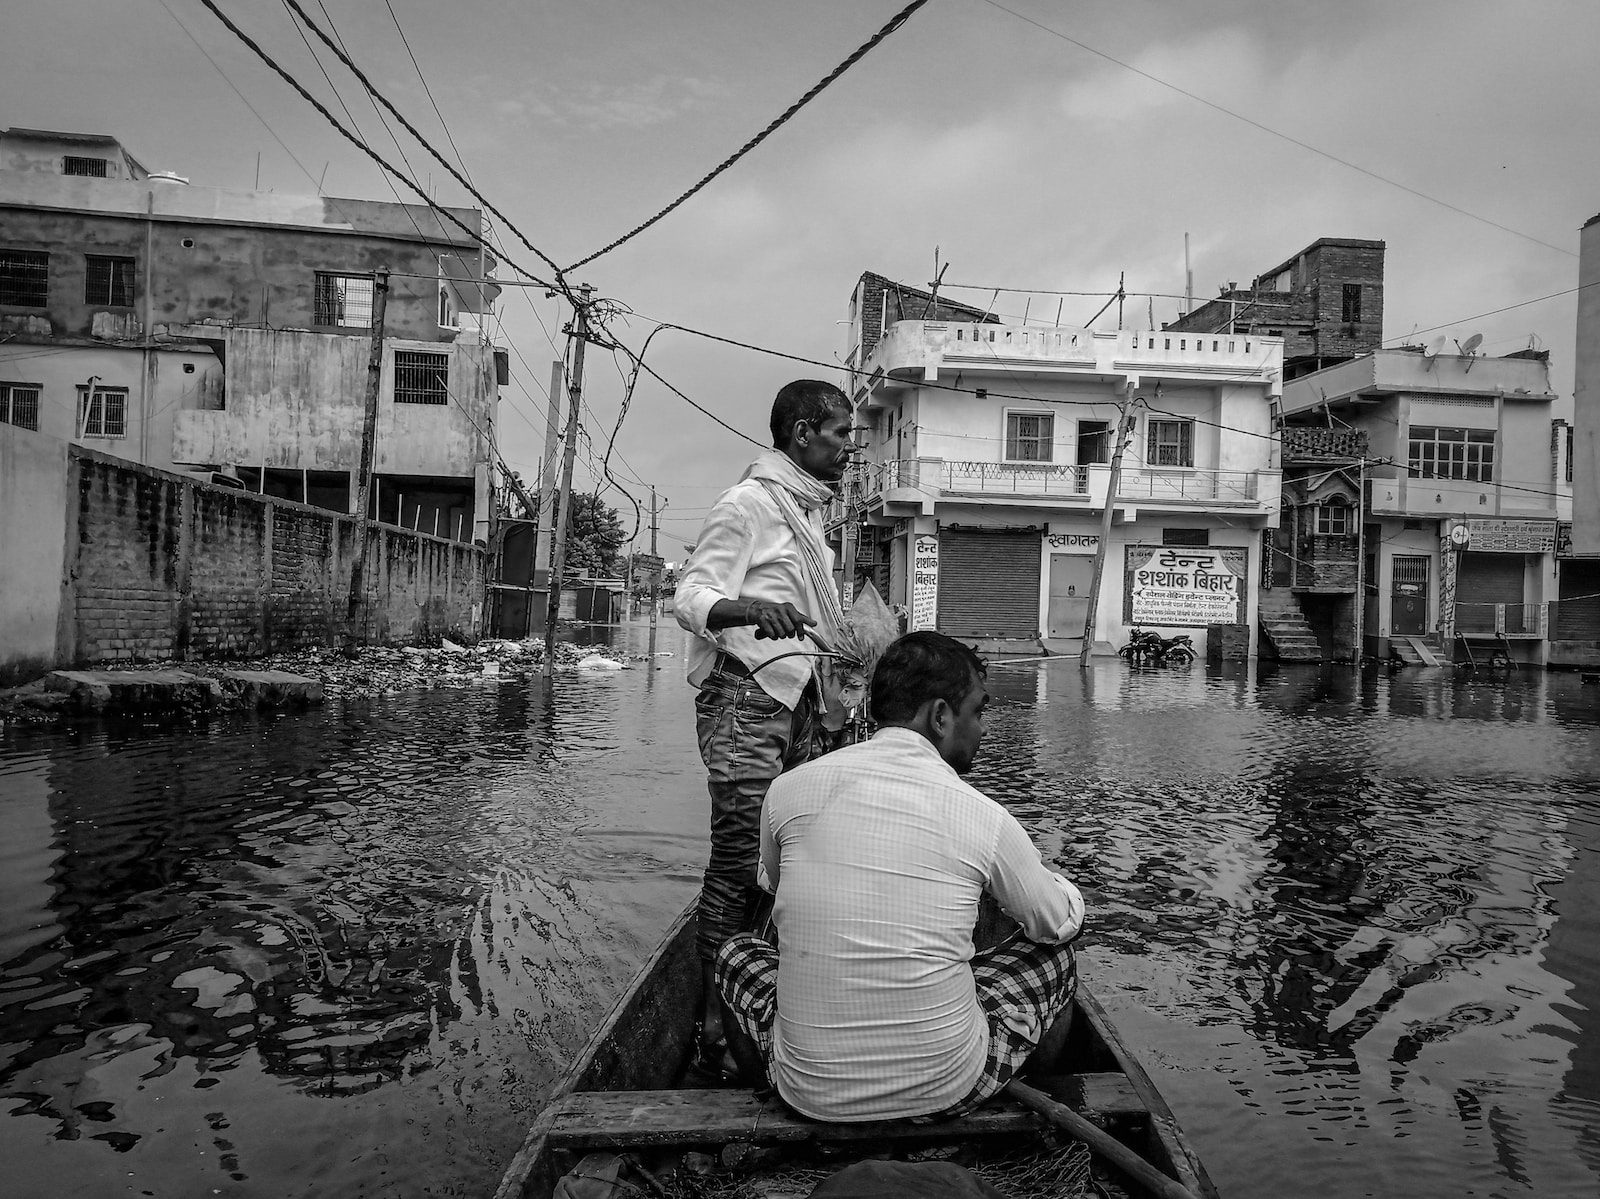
978,504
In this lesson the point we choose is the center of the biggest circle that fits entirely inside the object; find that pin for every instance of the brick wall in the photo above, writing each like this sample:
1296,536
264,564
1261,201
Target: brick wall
164,567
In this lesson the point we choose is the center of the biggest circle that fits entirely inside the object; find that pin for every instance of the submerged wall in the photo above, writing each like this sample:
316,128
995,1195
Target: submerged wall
159,566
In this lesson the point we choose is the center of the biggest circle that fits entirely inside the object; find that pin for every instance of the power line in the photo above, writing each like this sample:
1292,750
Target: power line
895,22
1344,162
422,141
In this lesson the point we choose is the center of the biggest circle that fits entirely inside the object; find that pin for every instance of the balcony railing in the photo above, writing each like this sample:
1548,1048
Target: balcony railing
1013,478
1227,486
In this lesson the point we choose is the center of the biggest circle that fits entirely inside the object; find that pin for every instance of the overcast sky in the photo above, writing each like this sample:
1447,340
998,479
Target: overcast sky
1030,161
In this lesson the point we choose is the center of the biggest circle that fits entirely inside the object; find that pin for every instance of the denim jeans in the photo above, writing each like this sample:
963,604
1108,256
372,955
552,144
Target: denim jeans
747,739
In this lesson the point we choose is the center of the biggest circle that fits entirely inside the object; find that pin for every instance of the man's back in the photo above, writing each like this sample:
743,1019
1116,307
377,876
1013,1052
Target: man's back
880,855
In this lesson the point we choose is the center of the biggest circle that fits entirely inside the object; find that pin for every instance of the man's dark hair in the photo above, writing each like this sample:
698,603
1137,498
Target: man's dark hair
919,667
809,400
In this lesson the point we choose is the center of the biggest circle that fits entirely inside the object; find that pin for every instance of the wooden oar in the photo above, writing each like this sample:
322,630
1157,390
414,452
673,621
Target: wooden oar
1107,1146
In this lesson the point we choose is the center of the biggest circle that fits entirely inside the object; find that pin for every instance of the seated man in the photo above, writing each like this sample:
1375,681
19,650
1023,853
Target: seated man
877,1006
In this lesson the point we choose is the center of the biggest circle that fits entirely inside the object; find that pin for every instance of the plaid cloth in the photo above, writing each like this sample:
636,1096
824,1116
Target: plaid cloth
1021,985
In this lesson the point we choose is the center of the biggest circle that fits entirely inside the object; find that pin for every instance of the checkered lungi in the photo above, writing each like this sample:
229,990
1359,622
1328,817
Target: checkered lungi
1018,978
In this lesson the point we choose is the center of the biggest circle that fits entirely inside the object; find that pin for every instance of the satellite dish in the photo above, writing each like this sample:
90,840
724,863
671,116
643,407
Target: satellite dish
1432,350
1470,346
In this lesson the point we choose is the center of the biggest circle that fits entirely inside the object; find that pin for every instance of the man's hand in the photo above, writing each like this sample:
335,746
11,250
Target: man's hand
775,620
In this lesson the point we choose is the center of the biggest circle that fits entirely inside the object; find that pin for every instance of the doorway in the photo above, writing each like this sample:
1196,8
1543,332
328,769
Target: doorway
1070,578
1408,596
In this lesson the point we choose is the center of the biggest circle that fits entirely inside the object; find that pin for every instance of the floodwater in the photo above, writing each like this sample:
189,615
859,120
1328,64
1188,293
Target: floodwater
1352,924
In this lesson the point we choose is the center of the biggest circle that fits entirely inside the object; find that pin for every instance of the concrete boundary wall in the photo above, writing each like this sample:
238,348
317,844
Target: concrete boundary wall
159,566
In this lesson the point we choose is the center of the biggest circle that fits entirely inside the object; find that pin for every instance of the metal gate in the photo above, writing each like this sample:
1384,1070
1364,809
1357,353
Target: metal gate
1482,582
988,583
1408,596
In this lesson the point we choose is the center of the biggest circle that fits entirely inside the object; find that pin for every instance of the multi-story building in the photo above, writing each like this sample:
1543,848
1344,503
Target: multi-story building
1577,632
230,332
979,503
1326,302
1464,474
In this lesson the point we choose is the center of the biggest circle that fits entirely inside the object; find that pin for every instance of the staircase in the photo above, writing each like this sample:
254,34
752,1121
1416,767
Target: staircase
1285,630
1414,651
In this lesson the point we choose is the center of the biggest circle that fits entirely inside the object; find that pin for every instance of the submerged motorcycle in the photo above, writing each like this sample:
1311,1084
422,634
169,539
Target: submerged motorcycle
1146,647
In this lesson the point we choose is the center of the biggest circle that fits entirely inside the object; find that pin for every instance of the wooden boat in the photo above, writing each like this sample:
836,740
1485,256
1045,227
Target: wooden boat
626,1093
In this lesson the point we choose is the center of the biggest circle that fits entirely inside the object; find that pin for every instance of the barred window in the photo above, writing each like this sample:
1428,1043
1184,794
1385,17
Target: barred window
1444,453
1029,436
19,405
1170,443
24,277
108,281
94,168
421,377
344,300
105,411
1351,306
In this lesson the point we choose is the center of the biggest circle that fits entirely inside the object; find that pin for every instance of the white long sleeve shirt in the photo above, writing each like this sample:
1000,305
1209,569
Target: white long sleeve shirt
747,551
878,854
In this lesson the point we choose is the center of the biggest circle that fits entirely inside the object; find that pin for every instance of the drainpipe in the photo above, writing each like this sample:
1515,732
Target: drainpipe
1361,559
146,361
1499,442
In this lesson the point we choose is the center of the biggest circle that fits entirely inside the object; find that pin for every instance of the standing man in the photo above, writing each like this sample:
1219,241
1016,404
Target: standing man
760,576
874,1004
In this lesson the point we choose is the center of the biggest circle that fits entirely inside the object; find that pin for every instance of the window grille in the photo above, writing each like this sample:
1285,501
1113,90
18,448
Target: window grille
93,168
1352,303
1170,443
343,300
108,281
1444,453
19,405
1029,436
24,277
420,377
105,411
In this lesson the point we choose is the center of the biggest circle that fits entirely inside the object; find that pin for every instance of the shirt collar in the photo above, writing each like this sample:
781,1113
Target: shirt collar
912,740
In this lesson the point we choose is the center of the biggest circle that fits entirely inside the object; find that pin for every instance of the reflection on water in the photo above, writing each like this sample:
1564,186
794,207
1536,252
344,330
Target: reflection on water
1351,922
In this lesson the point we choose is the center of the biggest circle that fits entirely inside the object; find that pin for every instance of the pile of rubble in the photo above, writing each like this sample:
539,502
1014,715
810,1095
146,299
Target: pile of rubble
358,673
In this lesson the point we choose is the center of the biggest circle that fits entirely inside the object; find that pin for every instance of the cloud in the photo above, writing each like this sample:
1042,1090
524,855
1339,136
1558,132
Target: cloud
636,104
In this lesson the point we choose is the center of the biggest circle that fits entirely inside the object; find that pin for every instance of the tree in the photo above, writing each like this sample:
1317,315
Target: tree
594,536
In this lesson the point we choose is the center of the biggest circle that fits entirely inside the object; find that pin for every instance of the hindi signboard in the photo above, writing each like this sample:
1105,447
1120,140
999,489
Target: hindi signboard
1182,586
648,564
924,582
1492,536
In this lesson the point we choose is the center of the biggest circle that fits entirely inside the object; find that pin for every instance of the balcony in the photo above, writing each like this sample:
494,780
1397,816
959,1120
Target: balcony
913,486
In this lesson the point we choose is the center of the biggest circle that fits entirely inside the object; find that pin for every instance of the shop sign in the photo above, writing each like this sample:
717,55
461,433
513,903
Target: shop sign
1490,536
1563,539
924,582
1073,543
1185,586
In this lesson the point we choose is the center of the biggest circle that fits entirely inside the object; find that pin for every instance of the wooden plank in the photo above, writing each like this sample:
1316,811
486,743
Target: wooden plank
618,1119
623,1119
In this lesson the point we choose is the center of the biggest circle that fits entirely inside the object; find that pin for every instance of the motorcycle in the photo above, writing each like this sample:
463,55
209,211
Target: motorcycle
1146,647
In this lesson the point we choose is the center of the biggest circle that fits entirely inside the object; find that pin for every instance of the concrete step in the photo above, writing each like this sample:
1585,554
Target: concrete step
127,691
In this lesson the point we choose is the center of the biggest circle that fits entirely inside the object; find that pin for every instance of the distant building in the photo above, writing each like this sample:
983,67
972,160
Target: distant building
1326,302
228,332
1464,480
978,506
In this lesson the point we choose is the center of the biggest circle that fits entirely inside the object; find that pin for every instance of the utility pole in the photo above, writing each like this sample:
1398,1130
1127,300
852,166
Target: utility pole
369,437
546,513
1122,283
558,563
655,576
1124,426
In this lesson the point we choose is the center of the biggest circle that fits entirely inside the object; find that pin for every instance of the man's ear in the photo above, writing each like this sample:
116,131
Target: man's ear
941,716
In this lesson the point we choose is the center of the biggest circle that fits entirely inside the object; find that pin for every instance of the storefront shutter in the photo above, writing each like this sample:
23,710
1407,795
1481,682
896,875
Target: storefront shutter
988,583
1483,580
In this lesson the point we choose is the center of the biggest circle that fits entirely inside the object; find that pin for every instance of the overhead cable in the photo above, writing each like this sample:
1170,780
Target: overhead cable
1290,138
895,22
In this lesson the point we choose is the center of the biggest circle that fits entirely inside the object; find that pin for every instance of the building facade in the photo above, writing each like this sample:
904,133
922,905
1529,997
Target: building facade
978,506
1326,302
228,333
1577,641
1462,480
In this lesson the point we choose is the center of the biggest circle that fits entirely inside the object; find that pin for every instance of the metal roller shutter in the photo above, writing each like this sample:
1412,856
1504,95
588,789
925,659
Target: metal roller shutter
1578,613
1482,581
988,583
